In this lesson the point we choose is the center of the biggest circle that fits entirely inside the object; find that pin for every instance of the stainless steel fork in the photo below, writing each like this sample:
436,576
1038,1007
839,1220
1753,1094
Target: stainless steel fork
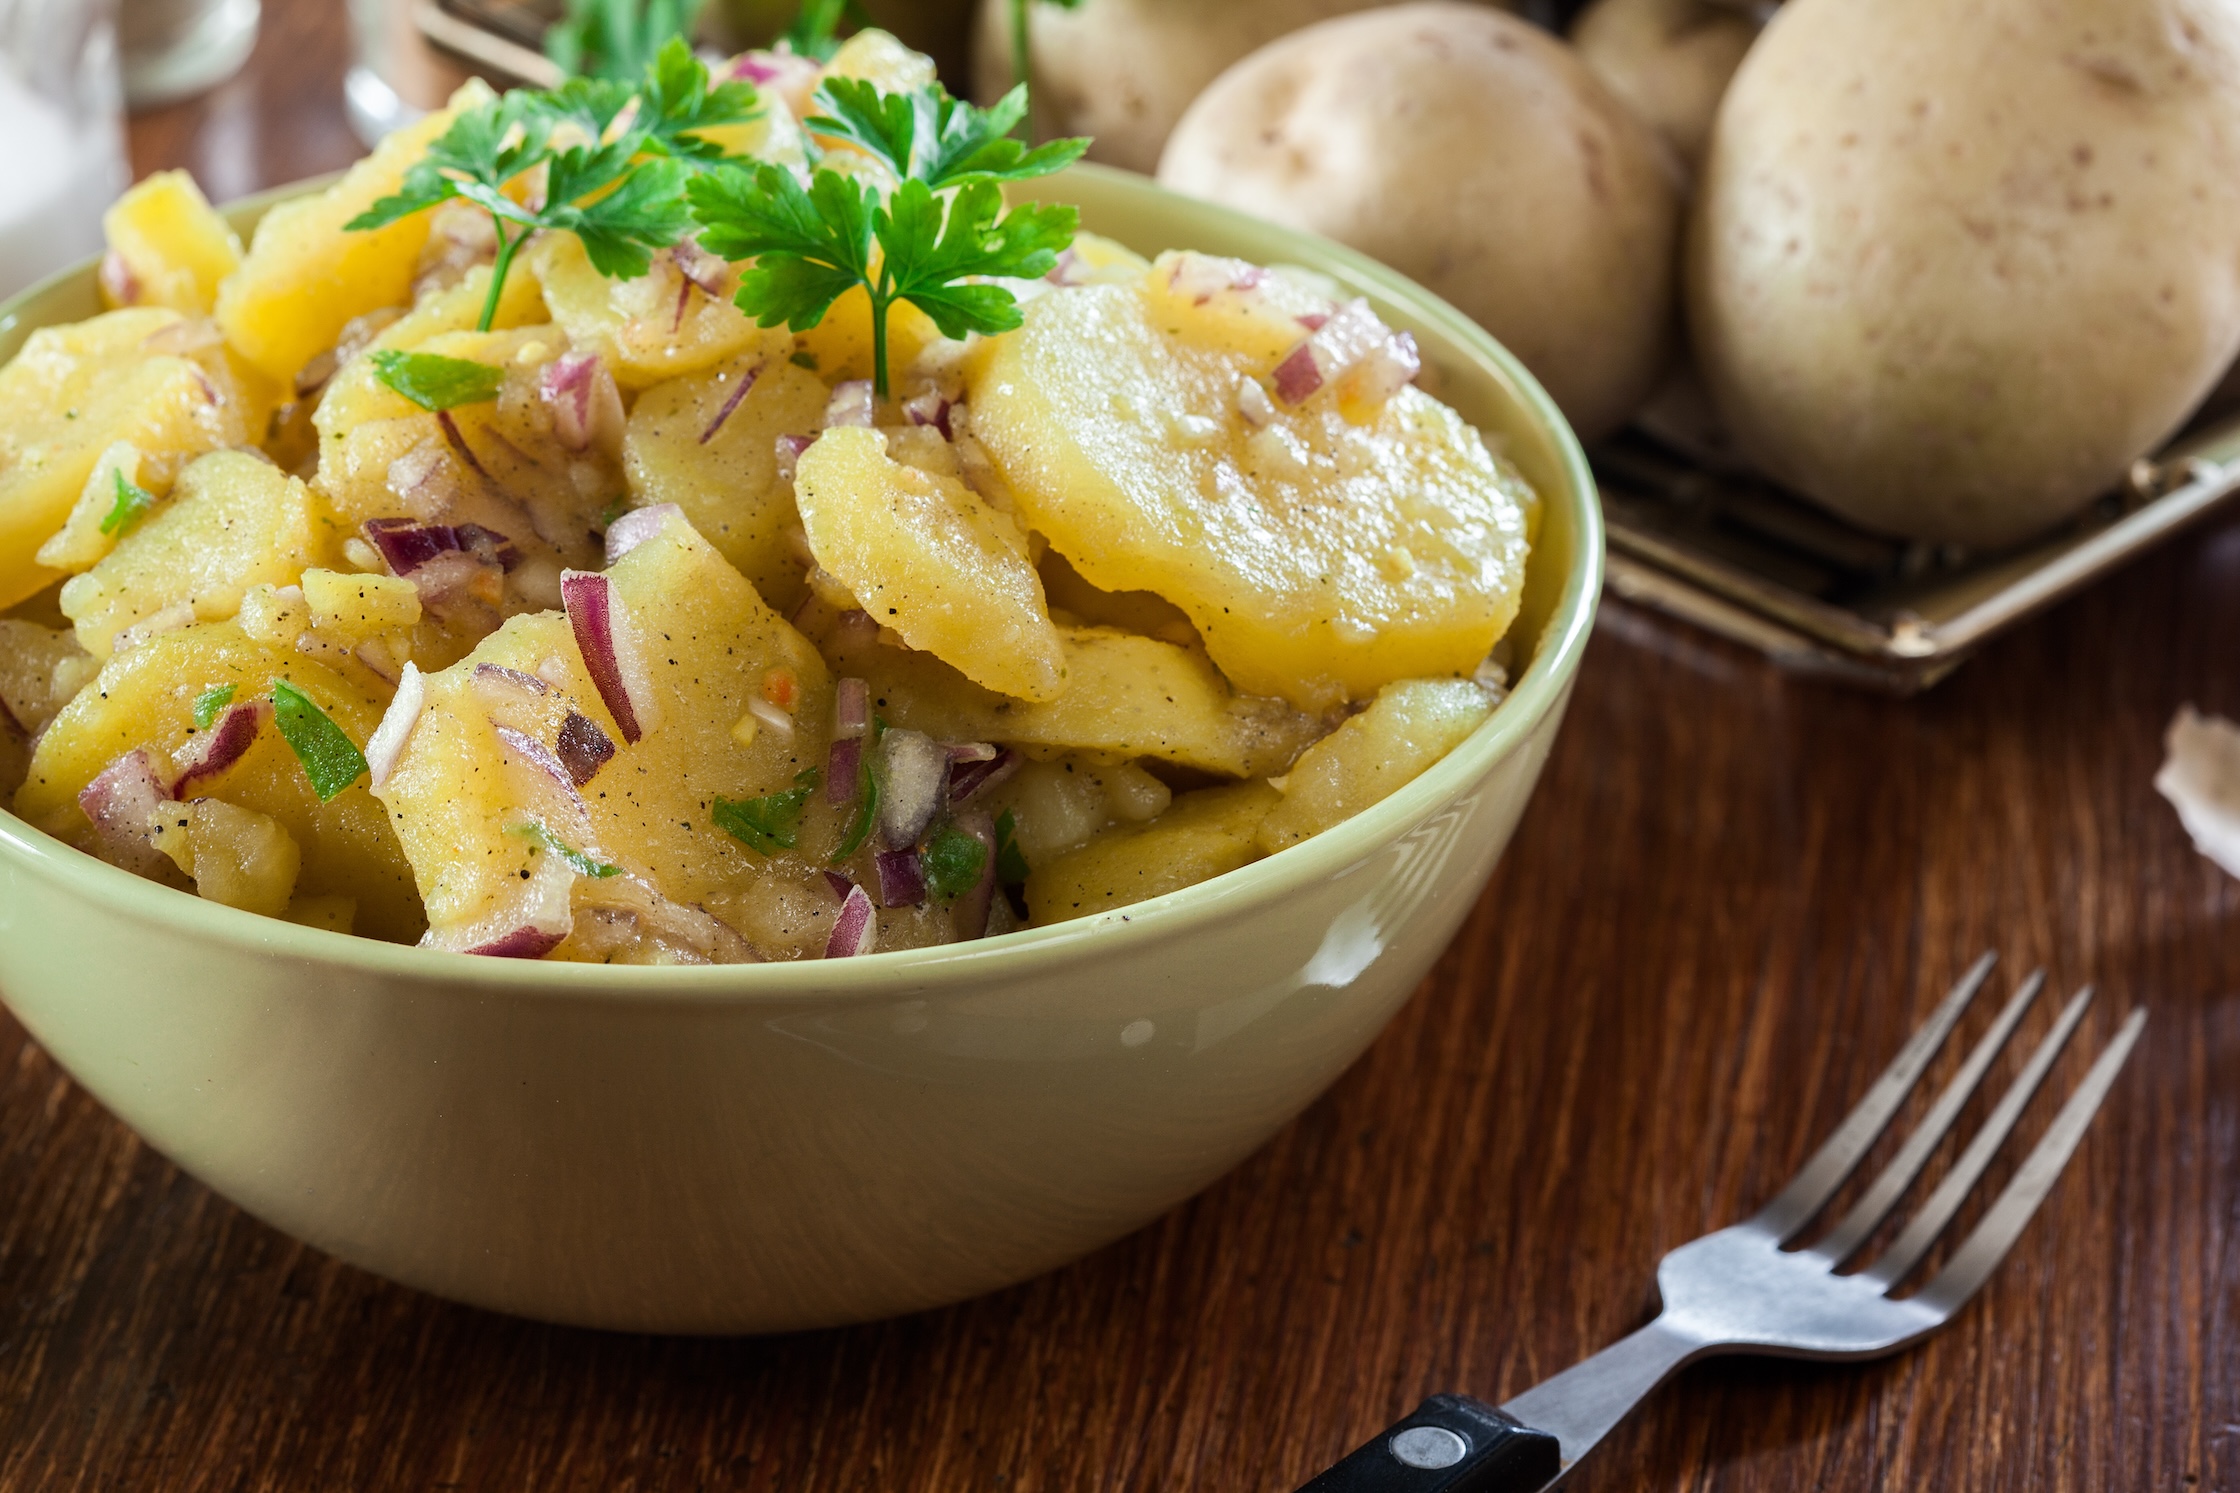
1741,1291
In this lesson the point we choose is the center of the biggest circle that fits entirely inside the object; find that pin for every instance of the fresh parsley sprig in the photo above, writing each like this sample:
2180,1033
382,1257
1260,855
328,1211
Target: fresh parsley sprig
815,30
617,38
435,382
941,226
613,159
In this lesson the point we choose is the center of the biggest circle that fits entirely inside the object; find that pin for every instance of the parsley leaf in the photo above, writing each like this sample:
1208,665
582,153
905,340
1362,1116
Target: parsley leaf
435,382
678,100
331,760
942,225
815,31
584,865
207,705
1011,861
616,38
131,505
952,862
768,824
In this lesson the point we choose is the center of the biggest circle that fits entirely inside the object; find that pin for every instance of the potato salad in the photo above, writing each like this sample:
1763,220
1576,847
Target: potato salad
717,519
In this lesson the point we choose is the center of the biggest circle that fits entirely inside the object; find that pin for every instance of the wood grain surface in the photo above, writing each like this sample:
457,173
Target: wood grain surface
1734,895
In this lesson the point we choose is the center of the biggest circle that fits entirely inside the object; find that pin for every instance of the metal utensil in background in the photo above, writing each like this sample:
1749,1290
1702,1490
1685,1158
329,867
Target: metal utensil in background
1741,1291
174,49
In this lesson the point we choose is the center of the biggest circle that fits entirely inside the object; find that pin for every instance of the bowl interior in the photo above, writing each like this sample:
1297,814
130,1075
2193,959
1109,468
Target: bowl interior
1470,370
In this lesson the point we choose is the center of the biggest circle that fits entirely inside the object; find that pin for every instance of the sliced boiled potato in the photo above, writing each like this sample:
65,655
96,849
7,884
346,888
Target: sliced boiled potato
234,521
305,277
168,246
91,530
1203,835
928,557
40,669
71,394
1408,727
657,326
839,347
354,395
146,698
1319,558
722,468
459,794
1126,696
236,856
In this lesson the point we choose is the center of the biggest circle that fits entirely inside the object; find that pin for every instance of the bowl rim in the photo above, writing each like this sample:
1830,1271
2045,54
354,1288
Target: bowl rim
1537,693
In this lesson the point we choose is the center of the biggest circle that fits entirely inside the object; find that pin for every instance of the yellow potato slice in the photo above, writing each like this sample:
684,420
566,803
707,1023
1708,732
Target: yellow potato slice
1203,835
657,326
71,394
1408,727
1319,559
169,247
1126,696
926,556
233,522
727,482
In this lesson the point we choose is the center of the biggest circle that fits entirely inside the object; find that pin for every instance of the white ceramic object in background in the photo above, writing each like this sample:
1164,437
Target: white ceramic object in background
63,133
764,1147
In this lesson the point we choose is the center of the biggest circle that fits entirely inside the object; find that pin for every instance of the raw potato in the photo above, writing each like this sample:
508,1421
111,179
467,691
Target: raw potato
1668,60
1318,558
727,484
1204,835
1406,729
1122,71
1953,267
926,556
1475,153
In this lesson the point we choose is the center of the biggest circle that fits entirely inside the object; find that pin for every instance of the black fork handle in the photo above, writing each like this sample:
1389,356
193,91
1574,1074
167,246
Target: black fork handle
1450,1444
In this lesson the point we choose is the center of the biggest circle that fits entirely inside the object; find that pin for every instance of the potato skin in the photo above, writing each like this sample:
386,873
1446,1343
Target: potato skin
1669,60
1953,267
1122,71
1475,153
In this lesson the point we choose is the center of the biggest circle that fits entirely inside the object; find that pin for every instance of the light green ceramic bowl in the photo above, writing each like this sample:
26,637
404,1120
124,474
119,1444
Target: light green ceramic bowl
756,1148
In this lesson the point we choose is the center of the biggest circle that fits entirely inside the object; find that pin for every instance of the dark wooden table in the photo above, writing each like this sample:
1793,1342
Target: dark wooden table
1734,895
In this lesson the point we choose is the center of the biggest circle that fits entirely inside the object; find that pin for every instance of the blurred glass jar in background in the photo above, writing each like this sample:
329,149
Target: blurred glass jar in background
173,49
62,129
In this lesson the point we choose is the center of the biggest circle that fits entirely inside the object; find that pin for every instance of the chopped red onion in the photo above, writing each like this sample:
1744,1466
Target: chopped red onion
539,756
770,715
792,77
840,885
929,408
700,268
789,449
746,382
851,404
173,617
1253,402
453,575
636,527
1068,269
970,751
385,747
406,546
120,802
914,773
498,677
686,929
487,545
610,654
902,881
215,750
1201,277
1299,375
973,907
521,943
856,626
969,778
851,704
583,748
542,915
1341,342
459,444
117,280
1312,320
843,767
856,930
586,406
1384,370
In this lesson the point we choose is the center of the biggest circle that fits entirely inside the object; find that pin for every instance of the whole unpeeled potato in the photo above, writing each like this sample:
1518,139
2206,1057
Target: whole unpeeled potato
1122,71
1670,60
1475,153
1952,267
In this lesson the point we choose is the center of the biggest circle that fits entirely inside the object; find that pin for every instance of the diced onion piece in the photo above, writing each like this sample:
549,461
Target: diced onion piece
851,404
218,748
856,930
532,927
1253,402
120,802
902,880
586,407
746,383
609,647
1349,335
971,751
636,527
1201,277
929,408
969,778
851,707
173,617
843,766
1383,371
1299,375
497,682
583,748
385,747
840,885
770,715
118,282
973,907
543,758
913,778
700,267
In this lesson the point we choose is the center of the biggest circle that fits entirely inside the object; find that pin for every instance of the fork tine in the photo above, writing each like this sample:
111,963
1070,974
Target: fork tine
1936,1214
1870,1210
1811,1188
1988,1245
